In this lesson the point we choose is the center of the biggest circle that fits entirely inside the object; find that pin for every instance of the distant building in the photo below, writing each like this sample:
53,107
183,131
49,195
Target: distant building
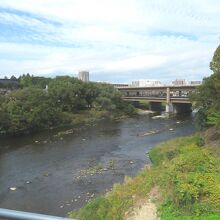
146,83
84,76
195,82
179,82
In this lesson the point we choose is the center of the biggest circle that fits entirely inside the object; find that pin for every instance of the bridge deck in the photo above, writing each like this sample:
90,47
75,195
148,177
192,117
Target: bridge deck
169,94
158,99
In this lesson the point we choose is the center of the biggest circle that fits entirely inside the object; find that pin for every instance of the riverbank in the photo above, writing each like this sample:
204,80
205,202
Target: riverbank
186,172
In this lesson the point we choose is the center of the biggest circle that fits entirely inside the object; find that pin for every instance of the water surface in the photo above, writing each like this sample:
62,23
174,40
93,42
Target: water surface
54,174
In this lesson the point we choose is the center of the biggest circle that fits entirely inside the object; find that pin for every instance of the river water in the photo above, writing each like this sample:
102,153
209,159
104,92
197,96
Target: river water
54,174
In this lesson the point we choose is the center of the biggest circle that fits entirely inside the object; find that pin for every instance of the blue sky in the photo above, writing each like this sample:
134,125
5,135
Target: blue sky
116,40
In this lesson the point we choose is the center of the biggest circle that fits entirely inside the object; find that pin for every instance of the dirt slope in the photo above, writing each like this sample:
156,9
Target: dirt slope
147,210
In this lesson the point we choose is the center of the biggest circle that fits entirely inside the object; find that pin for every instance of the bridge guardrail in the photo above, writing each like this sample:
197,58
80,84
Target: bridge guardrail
19,215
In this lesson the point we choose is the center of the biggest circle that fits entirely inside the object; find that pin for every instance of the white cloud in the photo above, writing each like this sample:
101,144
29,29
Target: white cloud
136,63
81,11
166,37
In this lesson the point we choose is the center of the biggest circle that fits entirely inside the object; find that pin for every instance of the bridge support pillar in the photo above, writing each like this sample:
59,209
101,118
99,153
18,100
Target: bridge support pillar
169,105
169,108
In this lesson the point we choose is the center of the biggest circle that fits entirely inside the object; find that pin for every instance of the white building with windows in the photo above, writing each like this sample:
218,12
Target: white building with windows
146,83
179,82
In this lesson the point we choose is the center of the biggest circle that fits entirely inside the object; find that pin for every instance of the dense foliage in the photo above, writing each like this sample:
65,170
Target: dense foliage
207,98
189,179
187,176
26,80
33,107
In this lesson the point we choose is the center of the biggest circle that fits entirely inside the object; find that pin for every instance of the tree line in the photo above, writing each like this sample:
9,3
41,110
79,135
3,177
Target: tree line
32,107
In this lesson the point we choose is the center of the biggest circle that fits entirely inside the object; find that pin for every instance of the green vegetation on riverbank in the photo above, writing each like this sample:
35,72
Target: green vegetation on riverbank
188,177
67,101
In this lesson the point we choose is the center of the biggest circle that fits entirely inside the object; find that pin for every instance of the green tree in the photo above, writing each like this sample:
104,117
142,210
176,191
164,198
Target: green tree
33,108
33,81
28,110
215,63
4,117
91,92
67,93
207,97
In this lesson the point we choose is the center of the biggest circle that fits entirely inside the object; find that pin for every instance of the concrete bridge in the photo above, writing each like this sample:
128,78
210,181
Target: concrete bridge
176,97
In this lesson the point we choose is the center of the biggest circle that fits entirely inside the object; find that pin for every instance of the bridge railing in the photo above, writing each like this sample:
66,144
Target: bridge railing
155,96
19,215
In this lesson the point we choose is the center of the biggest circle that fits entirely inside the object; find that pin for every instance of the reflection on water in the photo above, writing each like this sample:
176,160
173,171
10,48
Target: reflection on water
56,173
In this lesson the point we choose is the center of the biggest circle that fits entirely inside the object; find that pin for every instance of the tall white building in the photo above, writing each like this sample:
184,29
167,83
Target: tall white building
84,76
146,83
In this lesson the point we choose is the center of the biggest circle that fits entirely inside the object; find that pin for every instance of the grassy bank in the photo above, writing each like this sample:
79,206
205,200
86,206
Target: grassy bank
187,174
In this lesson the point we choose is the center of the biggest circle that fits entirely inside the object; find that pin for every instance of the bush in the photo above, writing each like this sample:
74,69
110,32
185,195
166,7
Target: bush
189,180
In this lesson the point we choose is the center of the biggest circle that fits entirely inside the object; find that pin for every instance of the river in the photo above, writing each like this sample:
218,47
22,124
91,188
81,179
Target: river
54,174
